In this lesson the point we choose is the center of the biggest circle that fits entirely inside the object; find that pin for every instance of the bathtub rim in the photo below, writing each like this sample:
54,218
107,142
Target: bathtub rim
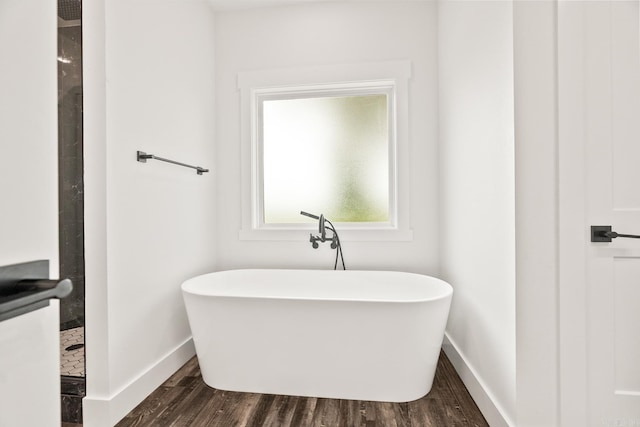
445,292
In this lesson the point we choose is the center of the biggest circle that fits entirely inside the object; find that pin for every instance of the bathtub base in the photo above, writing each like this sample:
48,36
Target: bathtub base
345,352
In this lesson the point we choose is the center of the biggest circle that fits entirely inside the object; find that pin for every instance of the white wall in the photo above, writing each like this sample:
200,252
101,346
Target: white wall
326,34
476,125
148,86
28,133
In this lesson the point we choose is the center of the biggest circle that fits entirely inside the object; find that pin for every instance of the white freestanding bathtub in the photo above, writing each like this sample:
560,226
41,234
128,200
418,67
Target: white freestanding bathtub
363,335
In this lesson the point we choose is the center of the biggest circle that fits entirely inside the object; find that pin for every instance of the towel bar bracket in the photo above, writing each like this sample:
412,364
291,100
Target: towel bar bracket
142,156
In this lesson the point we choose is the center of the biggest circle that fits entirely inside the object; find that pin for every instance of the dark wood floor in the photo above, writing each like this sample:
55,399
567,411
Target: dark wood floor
185,400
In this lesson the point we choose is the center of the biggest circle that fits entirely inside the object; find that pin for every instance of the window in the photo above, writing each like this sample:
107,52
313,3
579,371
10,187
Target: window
321,146
325,151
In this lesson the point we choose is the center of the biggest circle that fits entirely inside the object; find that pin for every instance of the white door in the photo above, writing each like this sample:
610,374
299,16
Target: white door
28,133
599,137
29,344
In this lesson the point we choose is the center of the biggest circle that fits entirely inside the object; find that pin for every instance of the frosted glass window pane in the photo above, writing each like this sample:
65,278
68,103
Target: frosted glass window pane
326,155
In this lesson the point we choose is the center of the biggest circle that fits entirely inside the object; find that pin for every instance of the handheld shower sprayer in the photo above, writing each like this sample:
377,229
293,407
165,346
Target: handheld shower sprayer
321,229
309,215
321,226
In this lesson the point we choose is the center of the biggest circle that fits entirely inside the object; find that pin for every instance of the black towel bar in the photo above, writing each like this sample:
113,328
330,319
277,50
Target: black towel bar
142,157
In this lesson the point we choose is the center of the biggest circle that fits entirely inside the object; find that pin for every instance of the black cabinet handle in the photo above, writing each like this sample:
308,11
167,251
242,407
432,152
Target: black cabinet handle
603,233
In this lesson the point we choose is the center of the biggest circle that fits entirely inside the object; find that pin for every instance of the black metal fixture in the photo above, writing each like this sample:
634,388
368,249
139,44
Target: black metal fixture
142,157
24,287
604,233
322,229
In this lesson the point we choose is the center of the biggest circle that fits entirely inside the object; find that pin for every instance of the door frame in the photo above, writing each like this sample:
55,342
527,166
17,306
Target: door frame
573,227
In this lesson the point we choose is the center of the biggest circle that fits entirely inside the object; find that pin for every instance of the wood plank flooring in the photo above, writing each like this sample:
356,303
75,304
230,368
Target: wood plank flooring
185,400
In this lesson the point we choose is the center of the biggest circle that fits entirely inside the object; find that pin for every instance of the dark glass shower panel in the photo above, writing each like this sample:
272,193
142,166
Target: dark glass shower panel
70,164
71,207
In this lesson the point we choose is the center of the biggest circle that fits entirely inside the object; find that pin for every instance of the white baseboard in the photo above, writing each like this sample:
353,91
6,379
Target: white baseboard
479,392
106,412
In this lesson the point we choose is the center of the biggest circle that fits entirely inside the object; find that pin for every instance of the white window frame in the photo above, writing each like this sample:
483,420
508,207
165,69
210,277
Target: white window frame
389,78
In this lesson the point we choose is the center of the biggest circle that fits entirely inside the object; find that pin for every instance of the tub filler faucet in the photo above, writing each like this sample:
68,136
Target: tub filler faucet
322,229
324,225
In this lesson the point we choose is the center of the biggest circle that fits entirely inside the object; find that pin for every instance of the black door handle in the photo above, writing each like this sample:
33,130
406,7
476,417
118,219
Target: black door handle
603,233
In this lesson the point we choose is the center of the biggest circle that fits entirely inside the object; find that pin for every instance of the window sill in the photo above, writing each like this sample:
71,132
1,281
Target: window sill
346,235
